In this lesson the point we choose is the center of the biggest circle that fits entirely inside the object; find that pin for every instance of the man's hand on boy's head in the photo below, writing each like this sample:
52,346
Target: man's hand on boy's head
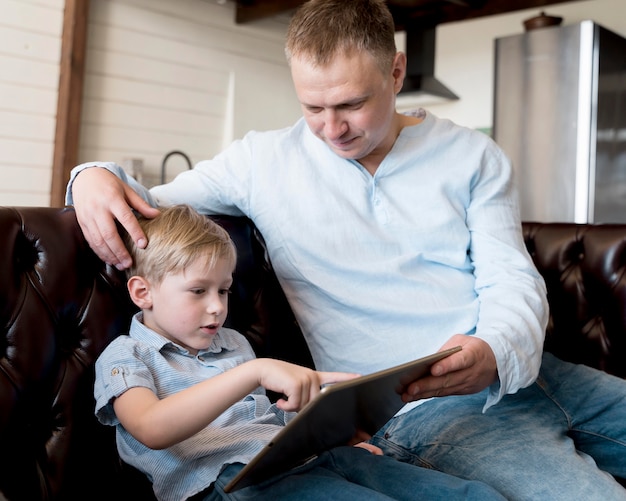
470,370
101,199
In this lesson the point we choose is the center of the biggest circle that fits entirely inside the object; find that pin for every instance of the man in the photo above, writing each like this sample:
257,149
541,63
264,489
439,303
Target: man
394,236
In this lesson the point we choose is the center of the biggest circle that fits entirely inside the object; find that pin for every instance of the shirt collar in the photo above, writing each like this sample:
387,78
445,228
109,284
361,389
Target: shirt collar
144,334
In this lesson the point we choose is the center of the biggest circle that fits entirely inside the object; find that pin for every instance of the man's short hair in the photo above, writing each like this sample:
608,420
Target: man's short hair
320,29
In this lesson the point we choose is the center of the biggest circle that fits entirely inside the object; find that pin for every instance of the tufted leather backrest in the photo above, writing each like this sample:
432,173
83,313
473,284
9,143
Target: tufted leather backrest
584,267
60,306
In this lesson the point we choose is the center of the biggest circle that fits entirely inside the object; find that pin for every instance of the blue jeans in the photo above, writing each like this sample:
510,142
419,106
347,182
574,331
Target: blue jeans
354,474
561,438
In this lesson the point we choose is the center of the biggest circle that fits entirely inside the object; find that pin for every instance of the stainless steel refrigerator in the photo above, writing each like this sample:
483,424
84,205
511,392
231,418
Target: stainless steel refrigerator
560,115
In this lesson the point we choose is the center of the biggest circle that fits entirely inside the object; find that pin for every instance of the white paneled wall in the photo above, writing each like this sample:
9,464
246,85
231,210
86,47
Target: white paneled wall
167,75
161,75
30,51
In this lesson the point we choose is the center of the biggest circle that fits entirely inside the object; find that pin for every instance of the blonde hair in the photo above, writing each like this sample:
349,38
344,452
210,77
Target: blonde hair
320,29
177,237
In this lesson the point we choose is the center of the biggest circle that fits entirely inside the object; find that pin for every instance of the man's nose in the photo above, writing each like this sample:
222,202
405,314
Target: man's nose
334,125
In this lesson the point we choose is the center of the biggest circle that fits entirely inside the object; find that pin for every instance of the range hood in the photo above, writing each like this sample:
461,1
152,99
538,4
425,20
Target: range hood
420,84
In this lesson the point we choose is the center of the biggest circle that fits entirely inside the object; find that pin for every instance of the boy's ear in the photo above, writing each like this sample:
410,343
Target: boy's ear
139,290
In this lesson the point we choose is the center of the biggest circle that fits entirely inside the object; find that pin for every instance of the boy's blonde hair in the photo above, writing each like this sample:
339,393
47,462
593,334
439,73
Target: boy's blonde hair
320,29
177,238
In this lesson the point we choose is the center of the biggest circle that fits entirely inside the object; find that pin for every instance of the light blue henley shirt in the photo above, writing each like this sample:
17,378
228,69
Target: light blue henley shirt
386,268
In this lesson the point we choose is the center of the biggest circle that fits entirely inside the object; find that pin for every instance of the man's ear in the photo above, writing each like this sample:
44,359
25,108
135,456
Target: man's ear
398,70
139,290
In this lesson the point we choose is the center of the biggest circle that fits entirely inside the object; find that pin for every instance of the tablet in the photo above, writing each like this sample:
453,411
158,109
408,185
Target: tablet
333,417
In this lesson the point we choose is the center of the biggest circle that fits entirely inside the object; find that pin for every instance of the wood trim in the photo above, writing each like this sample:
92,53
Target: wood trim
70,94
422,13
247,11
451,12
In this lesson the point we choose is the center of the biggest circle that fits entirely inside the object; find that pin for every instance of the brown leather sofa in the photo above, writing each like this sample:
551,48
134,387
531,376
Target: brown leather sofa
60,306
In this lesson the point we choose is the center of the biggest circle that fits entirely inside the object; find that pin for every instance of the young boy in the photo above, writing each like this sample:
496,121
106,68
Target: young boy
187,398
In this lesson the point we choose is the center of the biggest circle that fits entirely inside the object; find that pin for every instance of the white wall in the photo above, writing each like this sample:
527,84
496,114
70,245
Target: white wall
164,75
465,53
30,51
161,75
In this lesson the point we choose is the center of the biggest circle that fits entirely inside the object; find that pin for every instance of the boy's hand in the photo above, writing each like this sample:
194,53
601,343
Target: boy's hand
298,384
377,451
360,440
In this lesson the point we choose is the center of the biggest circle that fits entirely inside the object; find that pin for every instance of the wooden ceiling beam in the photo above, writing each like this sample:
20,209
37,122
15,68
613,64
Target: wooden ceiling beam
423,13
446,12
254,10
